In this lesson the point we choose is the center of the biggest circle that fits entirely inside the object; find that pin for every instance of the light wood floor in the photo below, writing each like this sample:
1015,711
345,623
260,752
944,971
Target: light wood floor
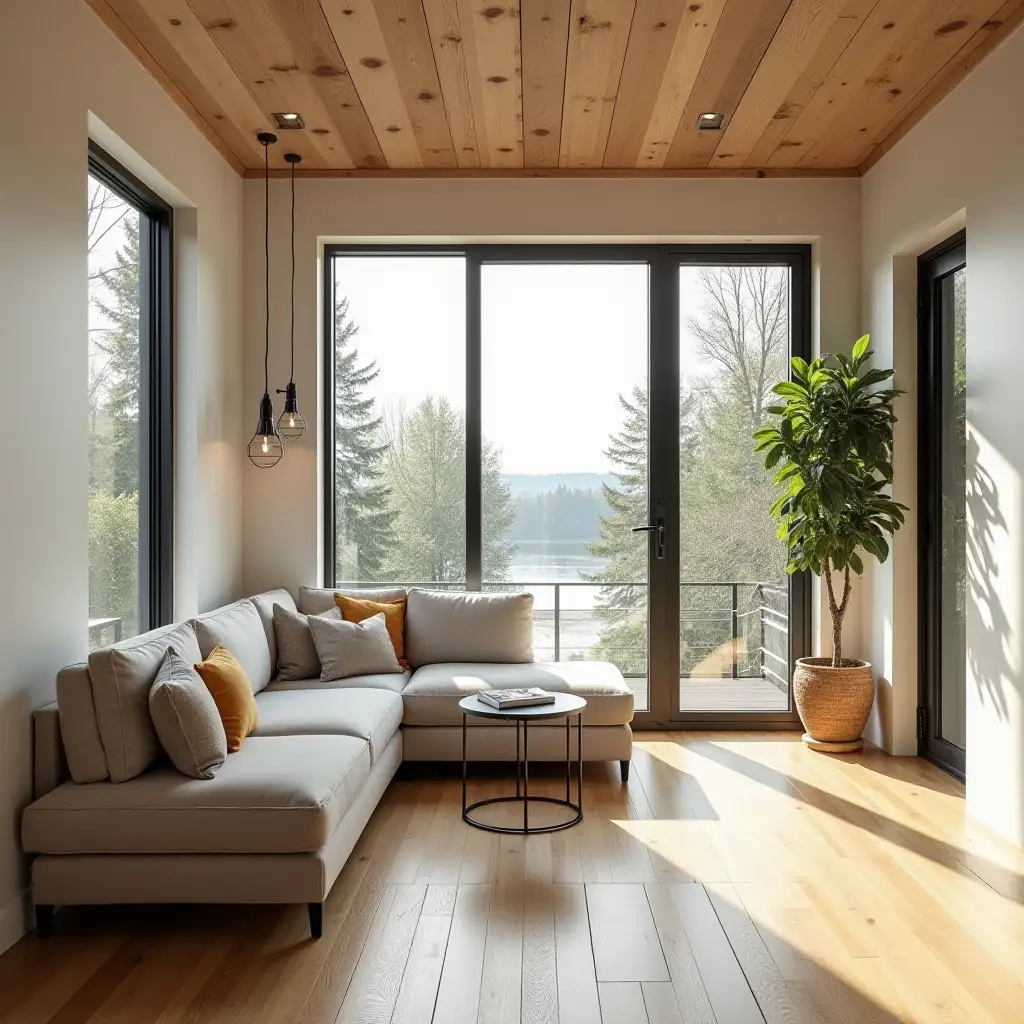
737,878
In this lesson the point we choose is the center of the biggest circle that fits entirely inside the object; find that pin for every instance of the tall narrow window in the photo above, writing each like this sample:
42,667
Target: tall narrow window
129,404
951,483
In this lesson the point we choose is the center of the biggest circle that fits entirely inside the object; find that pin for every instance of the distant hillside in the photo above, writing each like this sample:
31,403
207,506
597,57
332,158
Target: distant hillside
524,485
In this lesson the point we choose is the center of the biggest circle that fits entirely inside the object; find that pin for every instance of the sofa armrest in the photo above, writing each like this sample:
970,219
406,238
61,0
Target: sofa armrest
49,762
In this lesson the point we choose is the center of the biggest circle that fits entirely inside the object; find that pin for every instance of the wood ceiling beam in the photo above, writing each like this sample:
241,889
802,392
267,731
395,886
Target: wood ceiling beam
567,173
598,35
544,29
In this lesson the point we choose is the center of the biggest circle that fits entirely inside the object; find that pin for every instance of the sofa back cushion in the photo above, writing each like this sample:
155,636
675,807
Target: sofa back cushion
121,679
265,606
445,626
238,628
80,731
317,600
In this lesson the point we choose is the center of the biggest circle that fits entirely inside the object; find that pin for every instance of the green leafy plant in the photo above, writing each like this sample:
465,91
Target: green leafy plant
831,449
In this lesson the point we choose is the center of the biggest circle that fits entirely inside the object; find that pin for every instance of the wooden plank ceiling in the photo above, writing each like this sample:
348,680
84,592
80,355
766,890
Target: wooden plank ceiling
549,86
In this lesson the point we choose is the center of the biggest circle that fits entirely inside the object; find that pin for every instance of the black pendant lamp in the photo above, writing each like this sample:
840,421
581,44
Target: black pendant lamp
266,448
291,424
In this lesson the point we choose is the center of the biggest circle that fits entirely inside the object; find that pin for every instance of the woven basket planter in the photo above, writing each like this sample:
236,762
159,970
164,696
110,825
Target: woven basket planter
834,703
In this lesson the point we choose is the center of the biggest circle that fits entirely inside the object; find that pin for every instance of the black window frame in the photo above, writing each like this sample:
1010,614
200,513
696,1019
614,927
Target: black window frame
156,411
933,268
664,261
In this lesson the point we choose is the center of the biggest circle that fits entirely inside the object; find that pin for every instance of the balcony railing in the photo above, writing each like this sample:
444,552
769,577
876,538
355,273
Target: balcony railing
735,629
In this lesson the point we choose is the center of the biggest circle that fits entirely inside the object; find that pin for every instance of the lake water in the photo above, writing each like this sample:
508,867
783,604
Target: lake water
545,561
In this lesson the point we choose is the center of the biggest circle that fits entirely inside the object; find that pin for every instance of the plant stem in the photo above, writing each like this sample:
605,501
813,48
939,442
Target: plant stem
838,611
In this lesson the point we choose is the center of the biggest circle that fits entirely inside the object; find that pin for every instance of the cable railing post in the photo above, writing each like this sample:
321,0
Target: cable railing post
760,616
558,622
735,632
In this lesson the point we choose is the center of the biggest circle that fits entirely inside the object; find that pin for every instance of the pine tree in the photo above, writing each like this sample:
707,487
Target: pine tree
115,442
426,477
364,519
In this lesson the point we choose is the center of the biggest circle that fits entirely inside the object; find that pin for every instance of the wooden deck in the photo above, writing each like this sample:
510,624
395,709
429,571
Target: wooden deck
736,878
752,694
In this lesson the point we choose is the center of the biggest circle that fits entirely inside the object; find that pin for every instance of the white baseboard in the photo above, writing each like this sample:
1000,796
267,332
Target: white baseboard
15,920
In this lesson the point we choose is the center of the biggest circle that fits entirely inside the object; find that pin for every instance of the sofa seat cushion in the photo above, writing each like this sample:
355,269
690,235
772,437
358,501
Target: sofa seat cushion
278,794
371,715
393,681
433,694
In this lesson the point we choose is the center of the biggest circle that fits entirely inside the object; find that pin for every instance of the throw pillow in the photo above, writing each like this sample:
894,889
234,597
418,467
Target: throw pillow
229,686
356,609
186,719
296,652
353,648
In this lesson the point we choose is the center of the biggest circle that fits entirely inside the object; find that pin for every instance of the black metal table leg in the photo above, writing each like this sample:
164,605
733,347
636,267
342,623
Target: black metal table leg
568,762
526,777
463,765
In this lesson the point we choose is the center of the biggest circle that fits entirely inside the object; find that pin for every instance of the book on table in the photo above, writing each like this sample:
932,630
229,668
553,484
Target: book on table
516,698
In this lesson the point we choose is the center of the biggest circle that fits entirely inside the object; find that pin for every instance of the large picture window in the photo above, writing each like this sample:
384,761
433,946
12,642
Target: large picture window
129,385
576,422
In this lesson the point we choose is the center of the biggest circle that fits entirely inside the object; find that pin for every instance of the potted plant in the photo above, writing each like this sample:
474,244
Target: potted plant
831,449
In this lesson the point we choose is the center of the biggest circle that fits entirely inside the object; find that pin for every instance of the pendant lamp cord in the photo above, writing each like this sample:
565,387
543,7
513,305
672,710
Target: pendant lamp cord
266,263
292,375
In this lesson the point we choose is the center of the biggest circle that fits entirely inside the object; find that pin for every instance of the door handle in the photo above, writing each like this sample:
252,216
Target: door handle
658,529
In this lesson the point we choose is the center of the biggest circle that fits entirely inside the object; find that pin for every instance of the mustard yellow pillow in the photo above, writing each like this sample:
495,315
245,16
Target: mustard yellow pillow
355,609
232,693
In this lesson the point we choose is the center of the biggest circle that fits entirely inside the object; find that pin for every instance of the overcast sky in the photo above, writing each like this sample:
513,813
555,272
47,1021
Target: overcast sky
559,345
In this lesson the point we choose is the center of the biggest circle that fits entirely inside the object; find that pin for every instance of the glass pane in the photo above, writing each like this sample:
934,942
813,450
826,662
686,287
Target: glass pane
953,659
400,425
734,343
114,450
564,412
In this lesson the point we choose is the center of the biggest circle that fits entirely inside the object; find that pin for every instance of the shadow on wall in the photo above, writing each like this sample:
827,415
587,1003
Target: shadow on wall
988,628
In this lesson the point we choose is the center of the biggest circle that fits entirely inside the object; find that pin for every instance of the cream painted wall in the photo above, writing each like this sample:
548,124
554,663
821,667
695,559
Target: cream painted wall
282,522
961,165
89,84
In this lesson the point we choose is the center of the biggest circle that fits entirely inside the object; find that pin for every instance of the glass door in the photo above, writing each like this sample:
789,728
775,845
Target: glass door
946,489
733,619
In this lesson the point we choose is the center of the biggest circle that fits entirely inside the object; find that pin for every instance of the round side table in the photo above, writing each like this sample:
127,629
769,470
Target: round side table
566,706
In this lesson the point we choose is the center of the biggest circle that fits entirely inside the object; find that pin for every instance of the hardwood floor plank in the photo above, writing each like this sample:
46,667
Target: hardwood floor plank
373,991
724,981
622,1002
661,1003
458,994
574,957
418,993
625,939
501,990
540,988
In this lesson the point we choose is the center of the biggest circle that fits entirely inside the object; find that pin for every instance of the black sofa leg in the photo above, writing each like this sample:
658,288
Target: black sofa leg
316,919
44,920
624,770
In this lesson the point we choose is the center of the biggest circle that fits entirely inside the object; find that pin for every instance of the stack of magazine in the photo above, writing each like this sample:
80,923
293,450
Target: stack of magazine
503,699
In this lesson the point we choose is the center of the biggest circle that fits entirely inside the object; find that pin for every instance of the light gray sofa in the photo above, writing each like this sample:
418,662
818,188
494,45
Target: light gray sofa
113,822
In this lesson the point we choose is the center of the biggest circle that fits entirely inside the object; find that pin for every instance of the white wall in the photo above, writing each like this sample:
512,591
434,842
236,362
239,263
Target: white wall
282,521
63,76
961,165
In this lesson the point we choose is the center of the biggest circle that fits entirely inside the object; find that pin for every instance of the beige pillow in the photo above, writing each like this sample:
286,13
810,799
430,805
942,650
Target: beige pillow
353,648
186,719
296,652
443,627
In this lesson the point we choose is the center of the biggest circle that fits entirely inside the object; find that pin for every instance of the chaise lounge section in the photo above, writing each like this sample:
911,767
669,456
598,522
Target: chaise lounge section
114,822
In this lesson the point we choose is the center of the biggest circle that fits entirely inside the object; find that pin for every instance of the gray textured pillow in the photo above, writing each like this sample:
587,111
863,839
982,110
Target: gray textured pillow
186,718
353,648
296,652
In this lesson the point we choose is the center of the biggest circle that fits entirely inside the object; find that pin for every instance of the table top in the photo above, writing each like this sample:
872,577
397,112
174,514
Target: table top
565,706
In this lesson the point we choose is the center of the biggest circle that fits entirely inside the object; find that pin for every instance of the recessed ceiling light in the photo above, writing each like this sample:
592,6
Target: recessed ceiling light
711,121
289,119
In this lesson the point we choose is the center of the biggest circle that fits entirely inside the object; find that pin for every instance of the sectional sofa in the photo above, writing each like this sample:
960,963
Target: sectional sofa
114,822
